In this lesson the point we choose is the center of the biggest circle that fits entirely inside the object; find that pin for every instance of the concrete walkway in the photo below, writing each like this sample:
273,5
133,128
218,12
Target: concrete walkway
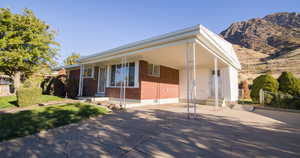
164,131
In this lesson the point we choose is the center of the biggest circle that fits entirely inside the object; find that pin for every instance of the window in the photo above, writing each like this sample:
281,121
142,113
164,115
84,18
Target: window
153,70
88,72
117,77
218,72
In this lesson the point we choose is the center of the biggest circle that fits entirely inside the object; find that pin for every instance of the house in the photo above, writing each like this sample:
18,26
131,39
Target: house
188,65
5,85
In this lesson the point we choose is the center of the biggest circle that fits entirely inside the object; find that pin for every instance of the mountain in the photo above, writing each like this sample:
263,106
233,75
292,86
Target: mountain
268,44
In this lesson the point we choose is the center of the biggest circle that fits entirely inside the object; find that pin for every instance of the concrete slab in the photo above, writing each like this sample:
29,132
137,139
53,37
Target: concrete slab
165,131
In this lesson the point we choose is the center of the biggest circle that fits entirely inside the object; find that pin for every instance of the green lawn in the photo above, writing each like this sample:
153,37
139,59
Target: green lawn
11,101
42,118
7,102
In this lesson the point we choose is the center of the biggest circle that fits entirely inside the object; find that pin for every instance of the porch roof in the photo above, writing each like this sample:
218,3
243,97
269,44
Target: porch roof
209,40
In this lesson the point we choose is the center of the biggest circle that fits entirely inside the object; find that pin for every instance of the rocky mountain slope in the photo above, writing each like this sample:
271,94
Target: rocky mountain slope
268,44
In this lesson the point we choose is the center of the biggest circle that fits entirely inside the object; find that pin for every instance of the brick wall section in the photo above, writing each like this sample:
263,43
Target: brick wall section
90,85
72,87
163,87
131,93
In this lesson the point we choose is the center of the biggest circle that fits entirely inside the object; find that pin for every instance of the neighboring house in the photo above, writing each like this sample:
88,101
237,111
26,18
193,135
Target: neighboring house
193,63
5,85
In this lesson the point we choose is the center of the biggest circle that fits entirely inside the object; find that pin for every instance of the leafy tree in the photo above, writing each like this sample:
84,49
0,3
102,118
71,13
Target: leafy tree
288,83
26,42
70,60
265,82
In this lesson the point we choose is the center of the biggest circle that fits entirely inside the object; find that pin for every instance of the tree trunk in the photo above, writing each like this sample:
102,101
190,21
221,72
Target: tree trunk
17,80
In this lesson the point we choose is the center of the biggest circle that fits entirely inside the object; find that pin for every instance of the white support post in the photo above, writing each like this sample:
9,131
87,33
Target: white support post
80,86
191,77
187,65
216,82
121,86
125,81
194,90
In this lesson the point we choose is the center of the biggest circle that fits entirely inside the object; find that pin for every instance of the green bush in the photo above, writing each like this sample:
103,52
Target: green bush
288,83
28,96
265,82
283,100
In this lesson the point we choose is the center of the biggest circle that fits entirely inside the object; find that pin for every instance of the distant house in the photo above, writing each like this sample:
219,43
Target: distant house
189,65
5,85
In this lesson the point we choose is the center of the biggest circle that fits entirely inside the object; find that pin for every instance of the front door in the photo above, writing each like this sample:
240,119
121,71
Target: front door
102,80
212,85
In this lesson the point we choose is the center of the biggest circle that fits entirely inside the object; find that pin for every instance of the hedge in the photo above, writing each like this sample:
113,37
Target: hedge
289,84
265,82
28,96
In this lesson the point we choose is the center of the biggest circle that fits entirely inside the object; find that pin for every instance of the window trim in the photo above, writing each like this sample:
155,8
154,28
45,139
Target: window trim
136,75
92,75
153,68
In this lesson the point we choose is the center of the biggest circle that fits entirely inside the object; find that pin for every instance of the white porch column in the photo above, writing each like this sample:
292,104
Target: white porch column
216,81
191,76
194,90
187,80
80,86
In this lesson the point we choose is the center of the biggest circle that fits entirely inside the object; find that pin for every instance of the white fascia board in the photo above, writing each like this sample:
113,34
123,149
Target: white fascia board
66,67
217,42
135,52
184,33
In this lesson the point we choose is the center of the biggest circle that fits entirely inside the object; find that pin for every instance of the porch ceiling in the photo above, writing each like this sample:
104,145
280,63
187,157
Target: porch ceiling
174,56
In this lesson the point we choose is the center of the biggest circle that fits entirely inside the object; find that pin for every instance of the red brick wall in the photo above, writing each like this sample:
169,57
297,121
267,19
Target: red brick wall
73,83
131,93
163,87
90,85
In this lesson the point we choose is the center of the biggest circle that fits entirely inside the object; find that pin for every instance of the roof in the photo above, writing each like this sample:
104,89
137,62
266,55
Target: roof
66,67
211,40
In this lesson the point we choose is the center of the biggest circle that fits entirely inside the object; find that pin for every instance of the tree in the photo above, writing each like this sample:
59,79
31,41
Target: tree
288,83
26,42
265,82
70,60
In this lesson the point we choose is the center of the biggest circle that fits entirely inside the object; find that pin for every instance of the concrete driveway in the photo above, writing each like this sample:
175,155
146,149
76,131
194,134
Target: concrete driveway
164,131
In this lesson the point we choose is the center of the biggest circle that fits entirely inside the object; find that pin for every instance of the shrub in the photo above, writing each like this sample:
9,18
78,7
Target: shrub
28,96
283,100
265,82
288,83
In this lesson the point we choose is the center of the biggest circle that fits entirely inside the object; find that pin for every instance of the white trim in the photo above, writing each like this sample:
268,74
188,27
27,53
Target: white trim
136,75
137,102
93,71
66,67
216,80
108,75
150,41
178,42
98,81
198,32
80,80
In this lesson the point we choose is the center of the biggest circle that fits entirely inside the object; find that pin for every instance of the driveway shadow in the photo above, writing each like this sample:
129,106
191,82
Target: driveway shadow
158,133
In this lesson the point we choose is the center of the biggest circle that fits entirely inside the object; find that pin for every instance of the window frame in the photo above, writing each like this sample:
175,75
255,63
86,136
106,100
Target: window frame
92,71
135,78
153,70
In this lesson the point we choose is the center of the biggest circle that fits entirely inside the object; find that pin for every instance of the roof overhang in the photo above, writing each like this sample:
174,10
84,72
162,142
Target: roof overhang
211,41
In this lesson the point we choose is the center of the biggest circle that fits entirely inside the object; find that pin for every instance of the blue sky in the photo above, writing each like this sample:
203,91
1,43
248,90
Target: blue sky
91,26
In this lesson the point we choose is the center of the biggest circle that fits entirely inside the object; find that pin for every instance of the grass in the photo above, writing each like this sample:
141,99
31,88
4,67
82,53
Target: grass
7,102
245,101
11,101
28,122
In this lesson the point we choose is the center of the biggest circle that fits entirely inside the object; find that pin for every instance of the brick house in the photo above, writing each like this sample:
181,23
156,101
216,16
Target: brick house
189,65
